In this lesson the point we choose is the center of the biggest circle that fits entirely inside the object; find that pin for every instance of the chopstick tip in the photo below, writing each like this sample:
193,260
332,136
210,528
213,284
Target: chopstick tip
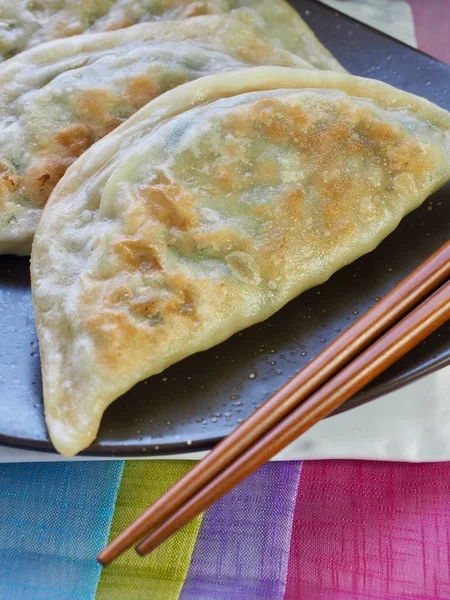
103,558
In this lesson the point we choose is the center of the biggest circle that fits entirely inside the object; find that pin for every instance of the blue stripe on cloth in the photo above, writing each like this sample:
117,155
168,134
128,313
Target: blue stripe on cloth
242,549
54,518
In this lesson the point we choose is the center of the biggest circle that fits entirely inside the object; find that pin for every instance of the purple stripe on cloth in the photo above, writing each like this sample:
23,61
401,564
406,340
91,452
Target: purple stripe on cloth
242,549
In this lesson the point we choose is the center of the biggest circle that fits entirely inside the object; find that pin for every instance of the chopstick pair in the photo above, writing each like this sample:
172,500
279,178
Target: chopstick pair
342,369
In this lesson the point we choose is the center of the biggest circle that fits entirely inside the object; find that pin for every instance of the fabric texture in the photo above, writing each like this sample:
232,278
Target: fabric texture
54,519
242,549
160,575
344,530
366,530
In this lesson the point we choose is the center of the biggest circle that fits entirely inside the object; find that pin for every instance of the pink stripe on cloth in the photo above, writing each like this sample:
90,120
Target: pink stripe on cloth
432,22
366,530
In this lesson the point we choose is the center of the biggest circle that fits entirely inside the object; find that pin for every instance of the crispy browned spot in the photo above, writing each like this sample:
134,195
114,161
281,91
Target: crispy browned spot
107,126
333,133
136,254
195,9
292,206
184,288
244,267
332,190
382,133
259,50
118,296
43,179
169,203
146,307
158,306
95,104
75,139
278,222
221,240
113,333
228,176
9,179
42,175
47,168
401,156
118,331
279,120
10,182
346,155
142,89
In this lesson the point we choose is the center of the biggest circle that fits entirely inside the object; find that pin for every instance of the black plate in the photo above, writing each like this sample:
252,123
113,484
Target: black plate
200,400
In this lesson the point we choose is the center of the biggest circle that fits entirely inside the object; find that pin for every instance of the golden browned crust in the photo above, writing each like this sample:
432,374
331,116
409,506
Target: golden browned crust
111,76
273,20
169,235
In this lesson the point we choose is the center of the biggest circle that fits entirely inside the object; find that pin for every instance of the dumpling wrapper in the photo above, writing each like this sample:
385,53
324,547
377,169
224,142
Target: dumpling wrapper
24,24
206,212
56,100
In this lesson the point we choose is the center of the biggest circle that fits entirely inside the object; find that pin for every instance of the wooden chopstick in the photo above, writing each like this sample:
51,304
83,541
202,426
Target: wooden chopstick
370,326
394,344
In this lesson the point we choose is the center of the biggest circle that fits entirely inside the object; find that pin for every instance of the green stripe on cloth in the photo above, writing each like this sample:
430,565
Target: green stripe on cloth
159,576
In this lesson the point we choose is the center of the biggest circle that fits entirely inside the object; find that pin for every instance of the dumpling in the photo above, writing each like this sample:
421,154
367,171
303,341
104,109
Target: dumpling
206,212
24,24
56,100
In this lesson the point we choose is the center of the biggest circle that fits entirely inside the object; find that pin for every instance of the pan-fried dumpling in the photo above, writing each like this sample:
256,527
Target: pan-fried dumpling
206,212
56,100
24,24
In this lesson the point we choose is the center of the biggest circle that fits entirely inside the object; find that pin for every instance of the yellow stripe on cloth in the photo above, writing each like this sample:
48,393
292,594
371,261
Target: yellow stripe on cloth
159,576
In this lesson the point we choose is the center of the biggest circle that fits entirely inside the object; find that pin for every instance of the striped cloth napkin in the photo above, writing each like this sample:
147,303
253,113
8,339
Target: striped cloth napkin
340,530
